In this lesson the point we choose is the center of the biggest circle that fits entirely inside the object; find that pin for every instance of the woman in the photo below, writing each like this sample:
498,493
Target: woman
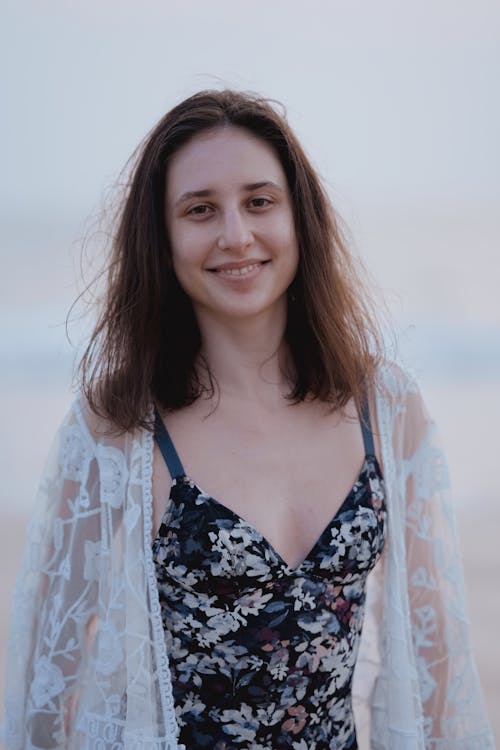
297,600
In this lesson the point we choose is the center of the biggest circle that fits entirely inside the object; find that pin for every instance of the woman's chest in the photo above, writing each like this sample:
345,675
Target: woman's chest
286,481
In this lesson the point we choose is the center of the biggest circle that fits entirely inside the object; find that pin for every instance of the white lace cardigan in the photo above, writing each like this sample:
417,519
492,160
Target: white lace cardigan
87,663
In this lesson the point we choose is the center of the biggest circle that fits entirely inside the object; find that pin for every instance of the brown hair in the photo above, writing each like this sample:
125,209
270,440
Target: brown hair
146,341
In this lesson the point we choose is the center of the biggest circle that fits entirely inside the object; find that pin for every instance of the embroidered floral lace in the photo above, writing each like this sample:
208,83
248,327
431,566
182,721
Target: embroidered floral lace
87,664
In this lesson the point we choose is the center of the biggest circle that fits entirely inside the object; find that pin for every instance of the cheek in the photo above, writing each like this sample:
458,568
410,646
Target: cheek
281,234
187,252
288,231
180,259
182,266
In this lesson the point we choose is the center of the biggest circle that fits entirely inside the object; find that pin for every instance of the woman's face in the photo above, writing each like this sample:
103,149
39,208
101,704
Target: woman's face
230,223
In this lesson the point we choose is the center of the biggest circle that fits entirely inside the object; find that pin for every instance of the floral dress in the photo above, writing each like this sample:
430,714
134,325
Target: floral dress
262,654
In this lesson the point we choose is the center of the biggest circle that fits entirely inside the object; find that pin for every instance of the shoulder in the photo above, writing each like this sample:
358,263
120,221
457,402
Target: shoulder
394,382
97,429
401,409
397,393
95,453
86,439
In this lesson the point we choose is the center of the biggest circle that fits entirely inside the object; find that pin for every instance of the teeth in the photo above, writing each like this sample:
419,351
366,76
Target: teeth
239,271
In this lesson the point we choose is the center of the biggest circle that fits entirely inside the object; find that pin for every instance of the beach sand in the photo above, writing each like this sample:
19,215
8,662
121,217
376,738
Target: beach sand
481,553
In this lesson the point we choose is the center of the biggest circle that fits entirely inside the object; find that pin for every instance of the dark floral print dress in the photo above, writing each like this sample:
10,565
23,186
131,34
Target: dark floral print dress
261,654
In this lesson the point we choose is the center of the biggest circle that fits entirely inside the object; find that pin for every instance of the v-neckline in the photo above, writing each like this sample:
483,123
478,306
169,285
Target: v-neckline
290,569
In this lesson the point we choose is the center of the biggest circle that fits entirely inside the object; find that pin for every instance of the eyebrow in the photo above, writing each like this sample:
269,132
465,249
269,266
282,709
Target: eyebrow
208,192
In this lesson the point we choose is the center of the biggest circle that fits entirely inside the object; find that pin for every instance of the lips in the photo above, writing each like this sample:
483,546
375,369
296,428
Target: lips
241,268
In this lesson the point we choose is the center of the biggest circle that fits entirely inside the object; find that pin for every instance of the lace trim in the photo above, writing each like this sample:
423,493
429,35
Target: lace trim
98,733
395,641
164,677
481,741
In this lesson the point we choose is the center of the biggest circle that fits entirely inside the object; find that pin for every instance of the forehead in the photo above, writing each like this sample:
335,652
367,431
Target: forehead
227,154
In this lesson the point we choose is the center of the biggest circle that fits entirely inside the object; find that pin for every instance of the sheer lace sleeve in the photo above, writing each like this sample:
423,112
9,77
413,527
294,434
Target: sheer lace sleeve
449,688
87,662
427,694
55,597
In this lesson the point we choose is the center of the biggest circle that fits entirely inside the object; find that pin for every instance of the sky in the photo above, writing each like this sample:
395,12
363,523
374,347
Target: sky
393,99
395,102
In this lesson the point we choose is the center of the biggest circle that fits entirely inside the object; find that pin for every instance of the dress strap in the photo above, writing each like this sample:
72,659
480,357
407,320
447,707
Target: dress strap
366,429
167,448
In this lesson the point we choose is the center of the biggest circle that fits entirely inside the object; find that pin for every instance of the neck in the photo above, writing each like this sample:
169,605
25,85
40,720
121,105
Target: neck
248,358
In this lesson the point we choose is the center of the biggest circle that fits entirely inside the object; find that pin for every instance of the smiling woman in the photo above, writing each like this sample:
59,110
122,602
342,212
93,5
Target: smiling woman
332,339
309,596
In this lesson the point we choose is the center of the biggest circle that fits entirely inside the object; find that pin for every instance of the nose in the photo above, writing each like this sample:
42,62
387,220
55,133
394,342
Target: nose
235,233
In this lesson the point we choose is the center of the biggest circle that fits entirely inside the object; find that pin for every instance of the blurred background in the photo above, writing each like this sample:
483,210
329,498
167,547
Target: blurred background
397,105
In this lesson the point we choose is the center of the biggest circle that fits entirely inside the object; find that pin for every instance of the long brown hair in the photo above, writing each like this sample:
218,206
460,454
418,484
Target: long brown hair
146,342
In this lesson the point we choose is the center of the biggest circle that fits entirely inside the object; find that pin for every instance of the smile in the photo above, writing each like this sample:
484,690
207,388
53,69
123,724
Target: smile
239,270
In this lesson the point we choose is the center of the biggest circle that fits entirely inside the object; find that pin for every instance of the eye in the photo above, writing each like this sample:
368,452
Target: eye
201,209
260,202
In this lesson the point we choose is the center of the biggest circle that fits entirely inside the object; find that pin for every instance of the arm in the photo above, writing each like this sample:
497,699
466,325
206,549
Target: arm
55,598
450,694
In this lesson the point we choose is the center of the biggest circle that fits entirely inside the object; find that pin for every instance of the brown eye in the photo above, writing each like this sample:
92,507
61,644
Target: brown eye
260,202
200,210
